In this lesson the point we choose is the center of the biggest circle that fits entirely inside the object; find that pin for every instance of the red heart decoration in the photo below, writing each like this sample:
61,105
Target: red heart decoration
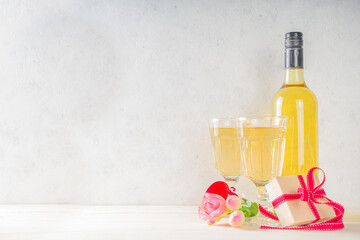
220,188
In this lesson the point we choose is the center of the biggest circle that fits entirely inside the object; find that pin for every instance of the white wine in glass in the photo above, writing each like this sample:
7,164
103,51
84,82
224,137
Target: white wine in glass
226,149
262,149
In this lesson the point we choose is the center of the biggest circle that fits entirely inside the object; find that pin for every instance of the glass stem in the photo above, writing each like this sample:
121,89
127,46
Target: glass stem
232,184
263,197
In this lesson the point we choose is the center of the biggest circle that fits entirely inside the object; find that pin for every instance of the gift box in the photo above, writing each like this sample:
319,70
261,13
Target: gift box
300,200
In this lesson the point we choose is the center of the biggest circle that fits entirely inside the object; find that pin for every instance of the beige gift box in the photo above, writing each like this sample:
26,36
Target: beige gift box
296,212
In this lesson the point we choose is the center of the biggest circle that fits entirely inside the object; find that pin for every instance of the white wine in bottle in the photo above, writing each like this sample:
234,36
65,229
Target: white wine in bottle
296,101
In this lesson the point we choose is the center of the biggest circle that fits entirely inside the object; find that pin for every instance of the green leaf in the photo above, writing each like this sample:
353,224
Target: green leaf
247,214
254,208
250,209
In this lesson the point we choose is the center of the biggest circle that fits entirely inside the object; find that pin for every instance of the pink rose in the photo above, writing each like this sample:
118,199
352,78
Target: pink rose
236,219
233,202
212,206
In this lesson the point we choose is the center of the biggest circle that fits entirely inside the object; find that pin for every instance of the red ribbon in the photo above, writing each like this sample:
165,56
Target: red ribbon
309,193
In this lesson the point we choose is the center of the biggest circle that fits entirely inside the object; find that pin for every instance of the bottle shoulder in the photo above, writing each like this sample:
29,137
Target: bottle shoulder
295,92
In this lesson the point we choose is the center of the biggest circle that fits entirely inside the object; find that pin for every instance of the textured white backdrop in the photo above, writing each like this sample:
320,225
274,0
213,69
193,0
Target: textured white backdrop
106,102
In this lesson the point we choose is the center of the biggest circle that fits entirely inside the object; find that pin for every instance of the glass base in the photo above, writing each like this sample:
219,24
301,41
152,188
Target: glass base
261,220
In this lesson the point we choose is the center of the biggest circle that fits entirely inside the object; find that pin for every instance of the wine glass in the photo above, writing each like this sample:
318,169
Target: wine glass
262,145
226,149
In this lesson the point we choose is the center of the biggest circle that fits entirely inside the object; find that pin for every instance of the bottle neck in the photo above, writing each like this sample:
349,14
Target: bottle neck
294,77
294,74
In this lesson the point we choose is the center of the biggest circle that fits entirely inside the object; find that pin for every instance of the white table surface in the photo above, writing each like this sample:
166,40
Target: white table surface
139,222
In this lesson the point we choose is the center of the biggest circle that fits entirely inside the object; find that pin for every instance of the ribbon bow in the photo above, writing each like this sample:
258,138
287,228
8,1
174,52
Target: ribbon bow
309,193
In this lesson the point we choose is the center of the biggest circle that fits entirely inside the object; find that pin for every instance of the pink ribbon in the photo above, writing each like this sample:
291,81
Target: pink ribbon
309,193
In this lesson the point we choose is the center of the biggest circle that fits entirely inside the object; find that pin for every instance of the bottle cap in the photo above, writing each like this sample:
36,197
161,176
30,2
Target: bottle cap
294,40
294,50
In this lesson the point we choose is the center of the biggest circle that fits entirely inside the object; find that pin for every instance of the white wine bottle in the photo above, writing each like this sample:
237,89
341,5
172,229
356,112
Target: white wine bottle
296,101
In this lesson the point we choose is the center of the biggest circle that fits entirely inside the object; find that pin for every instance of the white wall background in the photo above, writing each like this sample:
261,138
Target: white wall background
106,102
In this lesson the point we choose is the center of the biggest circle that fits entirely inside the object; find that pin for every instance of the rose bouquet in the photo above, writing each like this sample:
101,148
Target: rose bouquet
220,201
